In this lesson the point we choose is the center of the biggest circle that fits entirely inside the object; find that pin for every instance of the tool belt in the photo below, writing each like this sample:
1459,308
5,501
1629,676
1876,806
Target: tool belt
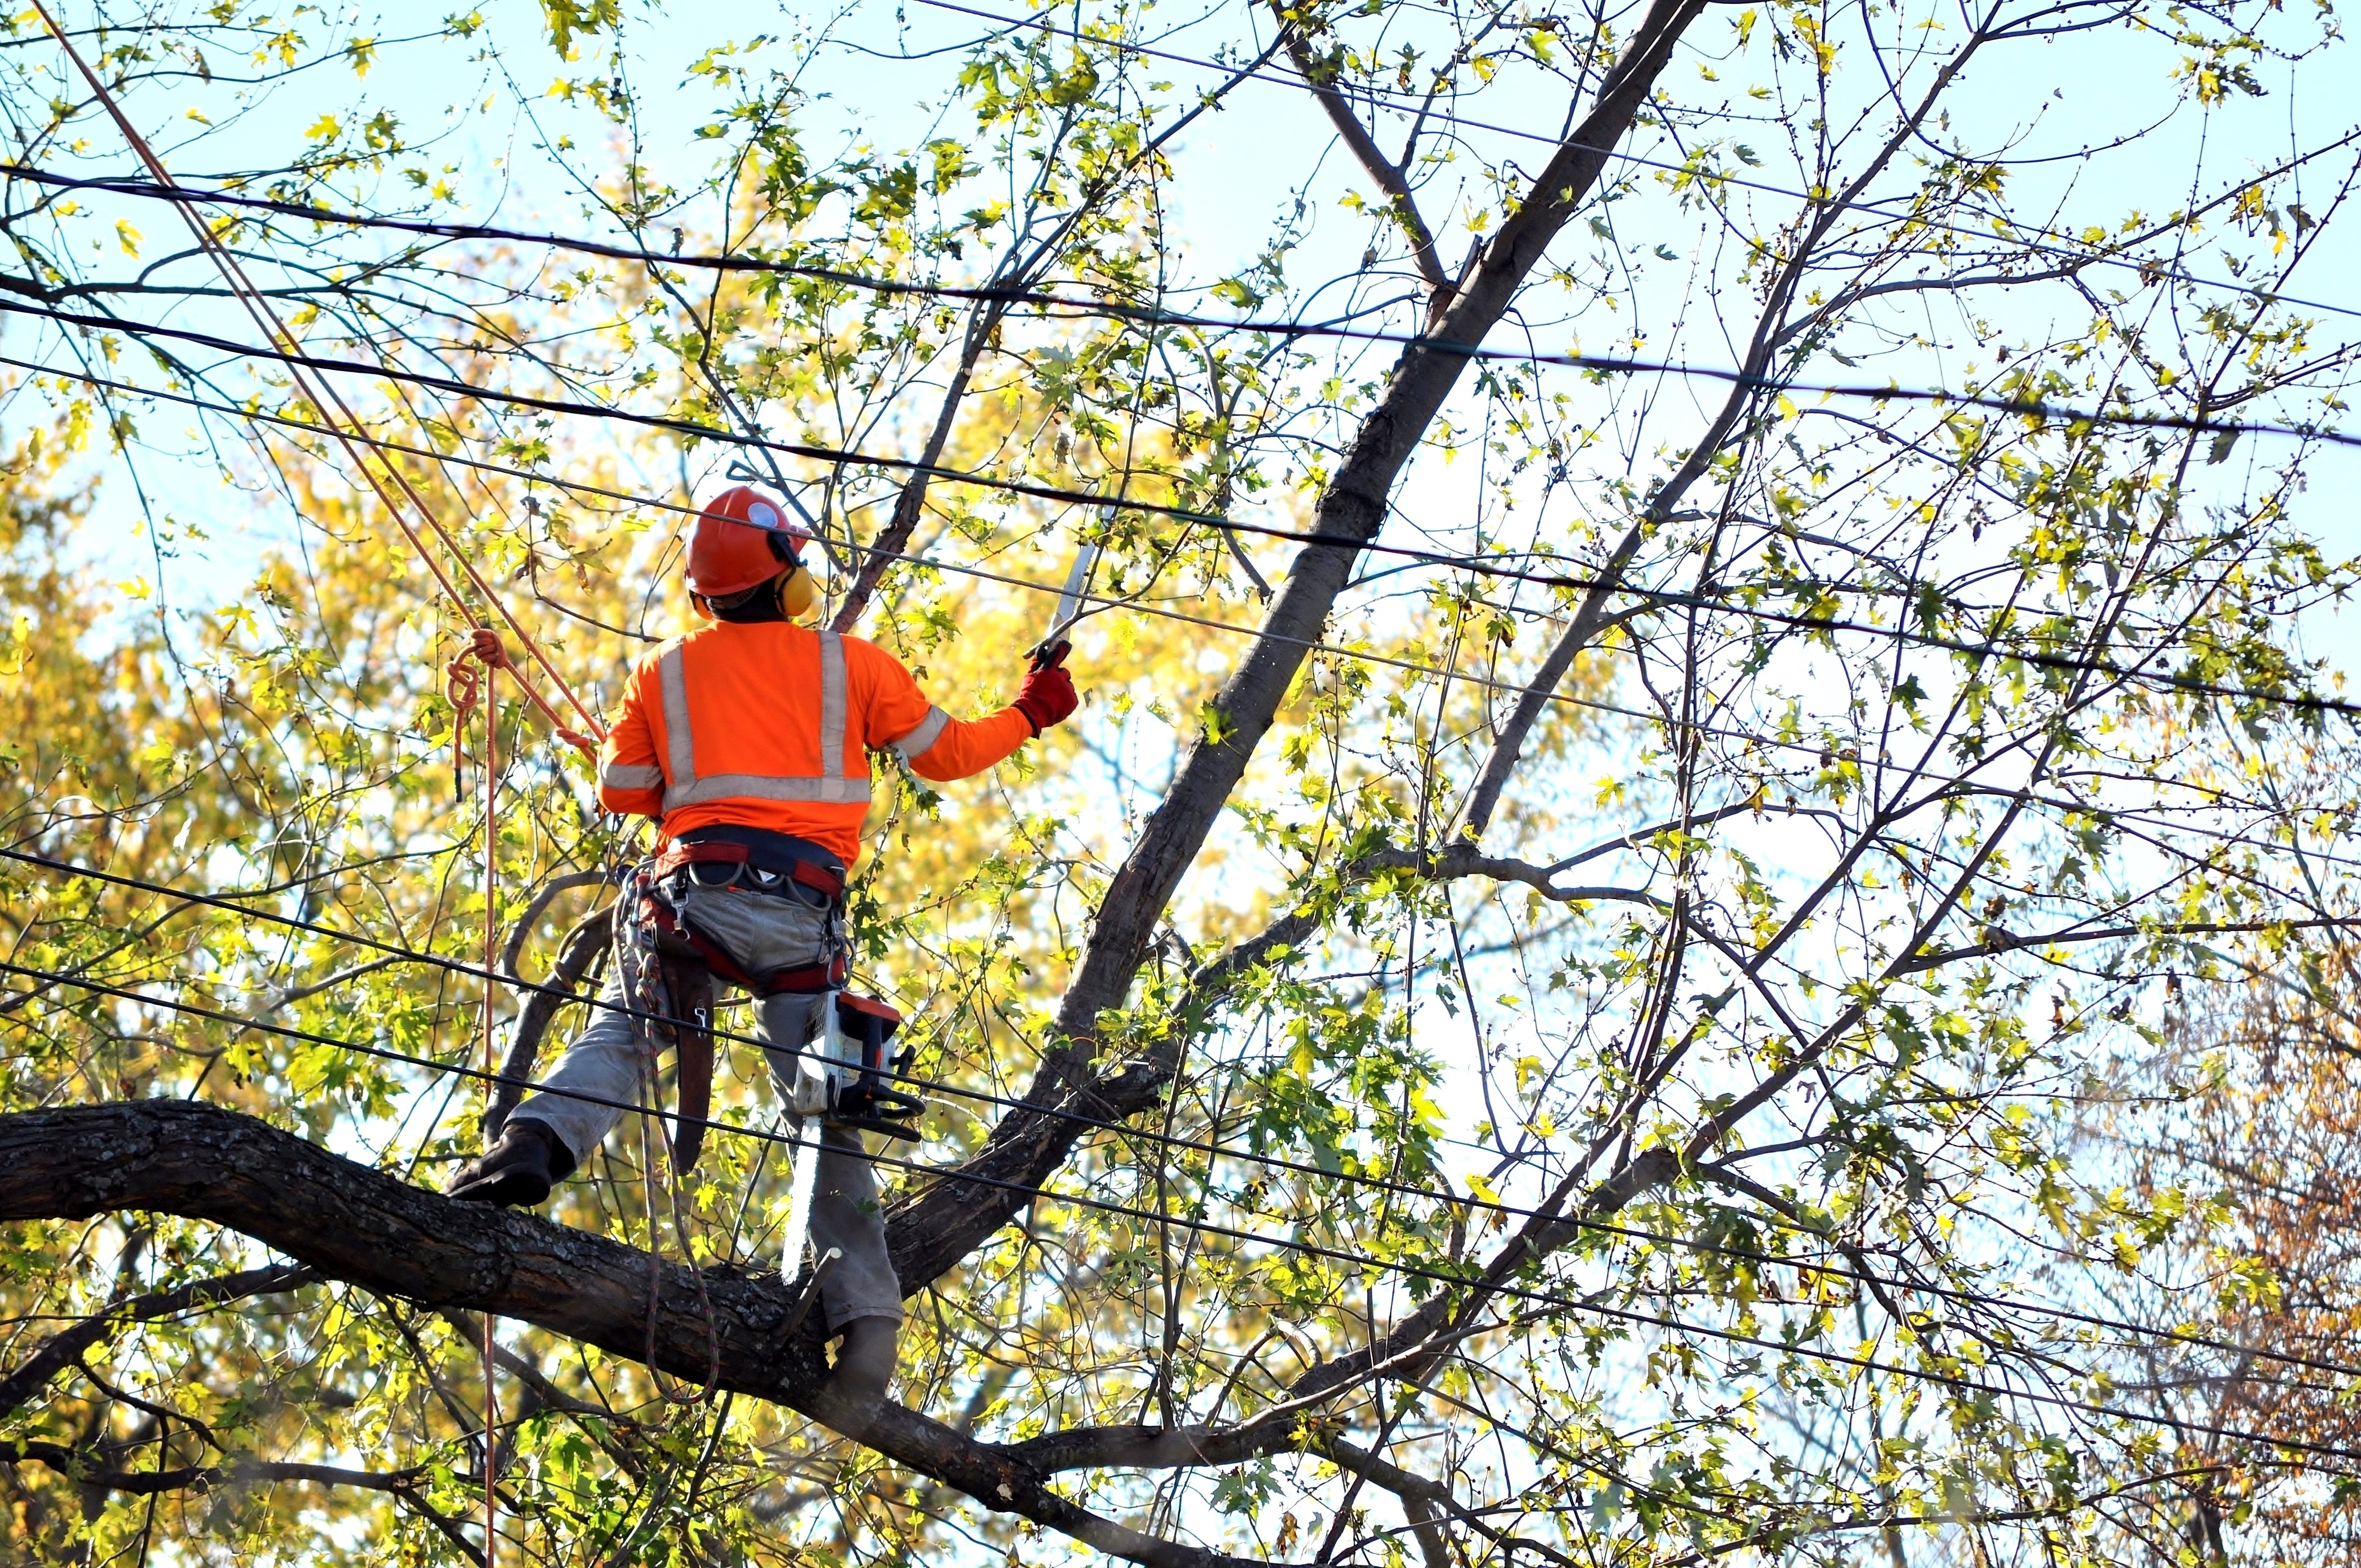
686,962
749,868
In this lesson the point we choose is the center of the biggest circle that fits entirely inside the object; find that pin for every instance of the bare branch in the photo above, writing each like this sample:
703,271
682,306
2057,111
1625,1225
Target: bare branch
1400,201
68,1346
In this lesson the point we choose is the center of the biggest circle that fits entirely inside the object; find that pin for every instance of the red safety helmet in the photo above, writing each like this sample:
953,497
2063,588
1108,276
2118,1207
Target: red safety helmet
742,541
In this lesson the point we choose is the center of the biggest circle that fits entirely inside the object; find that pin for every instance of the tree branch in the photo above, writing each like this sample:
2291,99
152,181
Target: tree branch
582,949
931,1231
346,1221
76,1465
1321,79
68,1346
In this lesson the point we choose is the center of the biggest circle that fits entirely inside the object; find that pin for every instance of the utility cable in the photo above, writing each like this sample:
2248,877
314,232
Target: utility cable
1047,302
1210,1150
2150,421
1447,1278
2046,242
2049,244
1101,601
841,456
2028,408
2187,686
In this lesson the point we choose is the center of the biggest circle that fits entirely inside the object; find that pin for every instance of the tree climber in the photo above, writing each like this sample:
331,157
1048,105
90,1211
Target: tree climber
747,740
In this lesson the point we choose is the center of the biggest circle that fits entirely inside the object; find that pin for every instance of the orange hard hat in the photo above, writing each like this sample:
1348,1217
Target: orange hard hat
742,541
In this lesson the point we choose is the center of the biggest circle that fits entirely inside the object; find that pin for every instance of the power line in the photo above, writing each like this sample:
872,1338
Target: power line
2048,242
1752,738
1295,1245
1046,302
1210,1150
1506,688
2030,408
1447,673
1476,566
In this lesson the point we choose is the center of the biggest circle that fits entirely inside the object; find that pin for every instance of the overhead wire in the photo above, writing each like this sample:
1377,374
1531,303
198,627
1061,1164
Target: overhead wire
1754,738
1476,565
1211,1151
1605,364
1048,302
2046,242
1348,654
170,190
1297,1244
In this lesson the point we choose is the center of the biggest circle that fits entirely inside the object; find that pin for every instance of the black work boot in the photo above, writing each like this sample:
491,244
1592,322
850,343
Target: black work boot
519,1170
864,1360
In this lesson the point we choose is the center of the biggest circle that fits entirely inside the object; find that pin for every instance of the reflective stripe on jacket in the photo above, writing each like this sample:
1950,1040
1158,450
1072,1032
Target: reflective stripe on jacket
770,725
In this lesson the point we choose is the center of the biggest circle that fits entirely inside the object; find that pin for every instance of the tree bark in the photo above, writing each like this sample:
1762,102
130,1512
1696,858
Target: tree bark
351,1223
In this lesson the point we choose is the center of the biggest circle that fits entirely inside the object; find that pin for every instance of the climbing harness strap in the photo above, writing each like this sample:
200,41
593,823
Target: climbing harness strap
669,967
752,868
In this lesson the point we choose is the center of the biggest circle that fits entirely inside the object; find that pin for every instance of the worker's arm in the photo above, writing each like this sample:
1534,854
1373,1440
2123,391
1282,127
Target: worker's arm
899,719
629,779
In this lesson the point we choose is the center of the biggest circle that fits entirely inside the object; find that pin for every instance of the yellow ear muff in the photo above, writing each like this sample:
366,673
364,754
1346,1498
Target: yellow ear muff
796,592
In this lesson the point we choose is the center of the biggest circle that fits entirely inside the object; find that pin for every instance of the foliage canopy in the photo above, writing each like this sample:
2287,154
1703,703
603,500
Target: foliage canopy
1606,974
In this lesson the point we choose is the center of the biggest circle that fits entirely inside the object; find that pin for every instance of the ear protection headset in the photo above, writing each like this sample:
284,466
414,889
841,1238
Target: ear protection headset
794,588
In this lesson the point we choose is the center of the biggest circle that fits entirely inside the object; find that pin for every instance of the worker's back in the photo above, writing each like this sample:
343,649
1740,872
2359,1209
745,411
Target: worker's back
769,725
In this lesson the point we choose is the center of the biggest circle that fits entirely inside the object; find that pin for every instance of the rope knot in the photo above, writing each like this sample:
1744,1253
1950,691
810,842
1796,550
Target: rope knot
463,677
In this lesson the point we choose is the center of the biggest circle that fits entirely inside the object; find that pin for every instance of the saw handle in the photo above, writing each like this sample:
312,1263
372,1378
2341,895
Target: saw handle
1049,655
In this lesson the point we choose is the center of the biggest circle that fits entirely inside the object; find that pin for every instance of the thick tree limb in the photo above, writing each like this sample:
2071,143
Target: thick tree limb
512,949
934,1230
348,1221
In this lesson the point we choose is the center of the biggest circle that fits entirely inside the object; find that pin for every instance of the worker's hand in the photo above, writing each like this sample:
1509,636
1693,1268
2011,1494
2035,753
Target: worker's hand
1046,696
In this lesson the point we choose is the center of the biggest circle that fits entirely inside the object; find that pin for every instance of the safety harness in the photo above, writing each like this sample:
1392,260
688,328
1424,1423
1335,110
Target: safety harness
668,968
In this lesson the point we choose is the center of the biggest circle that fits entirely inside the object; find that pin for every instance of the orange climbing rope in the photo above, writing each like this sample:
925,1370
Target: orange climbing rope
467,672
464,679
347,428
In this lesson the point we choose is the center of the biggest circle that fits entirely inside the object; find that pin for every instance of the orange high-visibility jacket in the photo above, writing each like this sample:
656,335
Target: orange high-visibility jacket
770,725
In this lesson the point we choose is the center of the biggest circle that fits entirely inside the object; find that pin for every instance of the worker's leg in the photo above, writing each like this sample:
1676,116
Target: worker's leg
557,1126
860,1296
845,1215
601,1067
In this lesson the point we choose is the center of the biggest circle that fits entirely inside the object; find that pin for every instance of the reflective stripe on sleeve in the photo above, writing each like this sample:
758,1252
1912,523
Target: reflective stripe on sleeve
631,775
921,741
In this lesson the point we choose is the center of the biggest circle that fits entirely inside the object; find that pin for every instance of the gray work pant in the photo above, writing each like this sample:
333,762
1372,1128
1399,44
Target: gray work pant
761,932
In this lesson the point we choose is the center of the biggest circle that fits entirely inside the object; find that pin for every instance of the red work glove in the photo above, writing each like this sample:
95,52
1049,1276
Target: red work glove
1046,696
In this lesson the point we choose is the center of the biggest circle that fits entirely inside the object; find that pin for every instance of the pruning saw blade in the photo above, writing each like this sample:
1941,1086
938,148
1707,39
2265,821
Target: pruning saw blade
1057,644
